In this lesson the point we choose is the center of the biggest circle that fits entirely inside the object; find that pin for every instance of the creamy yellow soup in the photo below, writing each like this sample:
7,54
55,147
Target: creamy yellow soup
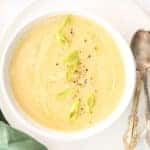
66,72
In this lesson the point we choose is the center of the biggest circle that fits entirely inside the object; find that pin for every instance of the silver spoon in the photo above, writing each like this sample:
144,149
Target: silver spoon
131,135
140,45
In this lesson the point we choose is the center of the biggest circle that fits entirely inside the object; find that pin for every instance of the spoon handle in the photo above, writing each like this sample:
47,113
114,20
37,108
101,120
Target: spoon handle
147,114
146,92
131,136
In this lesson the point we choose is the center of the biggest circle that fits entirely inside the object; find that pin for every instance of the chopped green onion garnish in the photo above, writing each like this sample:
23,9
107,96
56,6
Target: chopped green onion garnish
72,58
62,38
74,111
90,102
65,93
71,61
70,71
66,21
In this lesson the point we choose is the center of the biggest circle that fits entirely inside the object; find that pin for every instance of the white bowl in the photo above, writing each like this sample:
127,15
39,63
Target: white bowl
130,74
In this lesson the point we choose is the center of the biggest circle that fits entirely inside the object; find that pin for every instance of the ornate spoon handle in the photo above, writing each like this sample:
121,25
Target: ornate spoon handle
146,92
131,136
147,114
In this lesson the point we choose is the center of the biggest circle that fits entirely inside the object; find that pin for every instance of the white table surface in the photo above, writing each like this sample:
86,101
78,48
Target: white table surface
126,16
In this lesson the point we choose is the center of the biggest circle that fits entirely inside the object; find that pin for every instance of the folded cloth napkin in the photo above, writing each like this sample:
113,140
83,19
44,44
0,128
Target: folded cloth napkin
12,139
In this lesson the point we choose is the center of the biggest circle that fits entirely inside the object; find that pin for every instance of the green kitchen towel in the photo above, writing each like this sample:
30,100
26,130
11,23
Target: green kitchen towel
12,139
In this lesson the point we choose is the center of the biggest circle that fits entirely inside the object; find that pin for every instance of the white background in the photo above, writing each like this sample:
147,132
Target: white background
126,16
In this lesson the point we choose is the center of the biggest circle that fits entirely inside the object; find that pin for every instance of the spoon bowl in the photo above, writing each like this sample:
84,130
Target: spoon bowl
140,46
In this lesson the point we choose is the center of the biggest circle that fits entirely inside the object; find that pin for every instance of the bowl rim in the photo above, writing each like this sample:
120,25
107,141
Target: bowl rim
130,72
